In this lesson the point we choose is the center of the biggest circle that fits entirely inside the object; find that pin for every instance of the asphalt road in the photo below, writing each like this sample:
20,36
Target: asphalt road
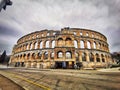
56,79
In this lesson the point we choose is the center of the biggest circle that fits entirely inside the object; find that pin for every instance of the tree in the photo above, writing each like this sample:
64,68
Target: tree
3,56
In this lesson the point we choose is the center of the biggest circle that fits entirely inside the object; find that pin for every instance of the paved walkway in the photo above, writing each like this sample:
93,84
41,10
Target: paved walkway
6,84
110,70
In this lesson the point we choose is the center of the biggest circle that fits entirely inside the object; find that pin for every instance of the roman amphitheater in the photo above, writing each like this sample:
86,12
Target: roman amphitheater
61,49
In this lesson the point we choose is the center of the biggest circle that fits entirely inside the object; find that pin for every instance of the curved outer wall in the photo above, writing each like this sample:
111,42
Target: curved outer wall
61,49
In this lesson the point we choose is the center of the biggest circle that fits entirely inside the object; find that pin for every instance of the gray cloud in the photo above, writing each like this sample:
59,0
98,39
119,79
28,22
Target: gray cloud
27,16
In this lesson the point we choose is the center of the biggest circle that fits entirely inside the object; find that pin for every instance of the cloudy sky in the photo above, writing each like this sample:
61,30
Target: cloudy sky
26,16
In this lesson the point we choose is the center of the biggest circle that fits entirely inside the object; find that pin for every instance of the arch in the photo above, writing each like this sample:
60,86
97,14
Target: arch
91,57
68,41
48,34
39,55
24,55
35,45
97,57
102,57
74,33
53,43
92,35
28,56
82,44
99,45
31,45
33,56
54,33
88,45
46,55
20,56
94,45
59,54
60,41
41,45
52,55
81,34
47,45
75,44
27,46
87,34
68,55
83,56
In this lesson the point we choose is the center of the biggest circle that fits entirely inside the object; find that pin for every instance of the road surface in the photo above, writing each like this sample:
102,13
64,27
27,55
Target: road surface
57,79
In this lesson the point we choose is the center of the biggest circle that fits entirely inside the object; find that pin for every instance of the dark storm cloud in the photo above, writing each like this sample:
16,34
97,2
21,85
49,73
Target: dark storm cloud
6,30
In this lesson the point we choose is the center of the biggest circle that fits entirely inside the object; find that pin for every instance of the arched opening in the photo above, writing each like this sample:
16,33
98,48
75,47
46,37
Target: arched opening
47,44
46,55
68,55
36,45
103,59
21,56
92,35
60,41
87,34
39,55
68,41
53,43
88,45
81,34
75,44
99,45
48,34
52,55
83,56
18,57
24,56
97,57
103,46
41,45
60,54
54,33
74,33
33,56
27,46
82,44
94,45
28,56
31,46
91,57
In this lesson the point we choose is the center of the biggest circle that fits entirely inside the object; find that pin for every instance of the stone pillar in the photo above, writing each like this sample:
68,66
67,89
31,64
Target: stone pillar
79,44
38,45
48,55
80,56
43,44
91,45
85,44
26,64
97,45
87,57
38,65
42,57
94,58
50,44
